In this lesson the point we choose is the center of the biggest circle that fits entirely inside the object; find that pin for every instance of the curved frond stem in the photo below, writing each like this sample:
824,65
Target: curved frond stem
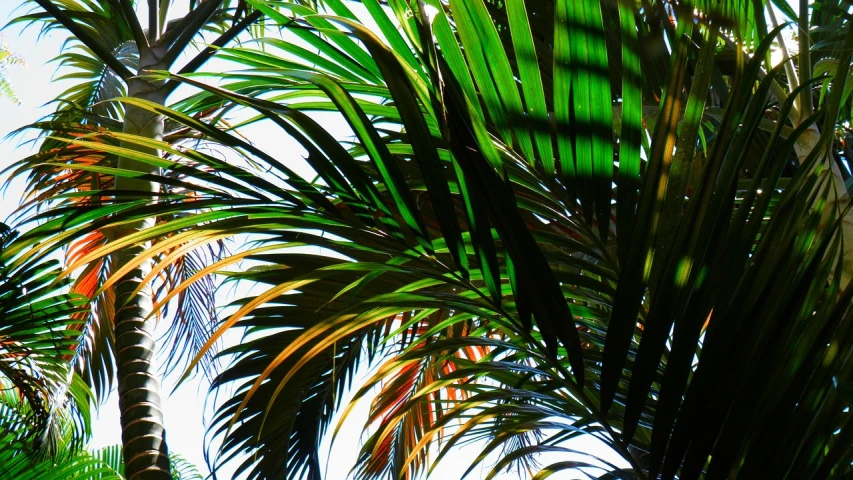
202,57
133,22
186,29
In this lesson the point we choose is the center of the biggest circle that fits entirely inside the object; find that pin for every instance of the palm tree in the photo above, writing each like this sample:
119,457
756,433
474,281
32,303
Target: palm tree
111,47
694,317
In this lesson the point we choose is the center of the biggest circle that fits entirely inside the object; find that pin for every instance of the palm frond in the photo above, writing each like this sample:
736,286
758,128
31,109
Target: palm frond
48,404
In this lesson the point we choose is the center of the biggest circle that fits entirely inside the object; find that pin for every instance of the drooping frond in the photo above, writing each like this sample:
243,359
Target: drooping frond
50,404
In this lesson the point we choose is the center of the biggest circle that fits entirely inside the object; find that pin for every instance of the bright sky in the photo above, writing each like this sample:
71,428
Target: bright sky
183,409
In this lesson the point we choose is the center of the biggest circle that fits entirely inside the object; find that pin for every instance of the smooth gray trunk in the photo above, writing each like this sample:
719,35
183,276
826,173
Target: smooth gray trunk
143,433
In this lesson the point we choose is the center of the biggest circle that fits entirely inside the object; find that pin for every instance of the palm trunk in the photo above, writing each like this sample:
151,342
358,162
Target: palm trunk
143,432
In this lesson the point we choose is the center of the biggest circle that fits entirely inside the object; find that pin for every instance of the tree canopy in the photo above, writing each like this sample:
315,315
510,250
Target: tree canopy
552,220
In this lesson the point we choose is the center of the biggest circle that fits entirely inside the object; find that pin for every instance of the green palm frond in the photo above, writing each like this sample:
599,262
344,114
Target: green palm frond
183,469
44,405
106,463
36,351
103,83
79,465
100,464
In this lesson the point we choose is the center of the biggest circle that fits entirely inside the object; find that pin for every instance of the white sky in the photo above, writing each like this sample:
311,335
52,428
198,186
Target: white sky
183,409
